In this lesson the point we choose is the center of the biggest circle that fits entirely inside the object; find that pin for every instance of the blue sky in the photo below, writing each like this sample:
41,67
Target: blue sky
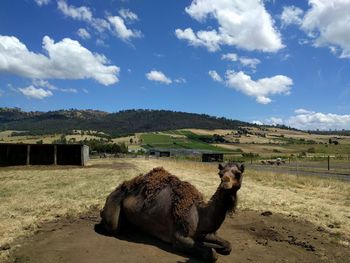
274,62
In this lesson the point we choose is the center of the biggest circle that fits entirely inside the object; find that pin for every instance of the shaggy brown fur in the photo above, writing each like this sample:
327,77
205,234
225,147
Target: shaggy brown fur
174,211
184,195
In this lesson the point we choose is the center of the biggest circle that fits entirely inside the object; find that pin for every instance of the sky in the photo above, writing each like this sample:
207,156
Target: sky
267,62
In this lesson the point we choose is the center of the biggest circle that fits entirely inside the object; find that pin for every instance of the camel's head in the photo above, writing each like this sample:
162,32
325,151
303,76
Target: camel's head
231,175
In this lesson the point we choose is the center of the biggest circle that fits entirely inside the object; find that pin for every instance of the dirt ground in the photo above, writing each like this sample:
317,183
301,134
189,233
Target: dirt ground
255,237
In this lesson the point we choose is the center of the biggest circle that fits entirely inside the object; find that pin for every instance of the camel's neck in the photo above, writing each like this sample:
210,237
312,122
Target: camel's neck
213,214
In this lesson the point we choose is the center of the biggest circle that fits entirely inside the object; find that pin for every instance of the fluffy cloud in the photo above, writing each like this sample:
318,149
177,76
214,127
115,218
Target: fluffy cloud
237,26
113,24
83,33
70,90
66,59
327,22
43,84
35,93
247,62
291,15
158,76
126,14
311,120
180,80
42,2
82,13
120,29
274,121
215,76
261,89
208,39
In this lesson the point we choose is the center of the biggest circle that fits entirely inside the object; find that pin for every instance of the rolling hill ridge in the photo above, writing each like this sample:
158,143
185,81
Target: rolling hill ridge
119,123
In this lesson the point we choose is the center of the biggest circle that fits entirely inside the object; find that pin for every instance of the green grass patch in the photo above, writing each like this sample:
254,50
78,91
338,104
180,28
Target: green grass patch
154,140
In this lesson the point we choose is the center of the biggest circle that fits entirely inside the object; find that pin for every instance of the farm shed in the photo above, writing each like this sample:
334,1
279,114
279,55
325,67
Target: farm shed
43,154
212,157
160,153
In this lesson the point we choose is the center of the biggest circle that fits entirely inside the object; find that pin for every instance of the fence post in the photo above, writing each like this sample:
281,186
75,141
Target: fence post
28,154
328,162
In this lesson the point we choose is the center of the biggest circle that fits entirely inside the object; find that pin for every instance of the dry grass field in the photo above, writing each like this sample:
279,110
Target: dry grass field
31,196
5,136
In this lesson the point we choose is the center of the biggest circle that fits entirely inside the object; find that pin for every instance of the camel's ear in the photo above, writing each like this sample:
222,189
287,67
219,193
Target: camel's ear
221,166
241,167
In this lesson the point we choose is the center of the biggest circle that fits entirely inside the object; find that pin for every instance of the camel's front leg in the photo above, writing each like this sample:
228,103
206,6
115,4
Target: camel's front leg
198,249
221,245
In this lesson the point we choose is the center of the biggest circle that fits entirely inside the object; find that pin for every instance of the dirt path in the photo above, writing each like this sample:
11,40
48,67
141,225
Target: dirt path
254,237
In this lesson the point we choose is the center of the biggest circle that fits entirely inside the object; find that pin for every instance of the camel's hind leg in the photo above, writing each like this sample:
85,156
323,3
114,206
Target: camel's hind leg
221,245
112,212
188,245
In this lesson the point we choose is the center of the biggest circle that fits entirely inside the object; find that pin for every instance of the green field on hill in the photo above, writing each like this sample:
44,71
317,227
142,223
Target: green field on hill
167,141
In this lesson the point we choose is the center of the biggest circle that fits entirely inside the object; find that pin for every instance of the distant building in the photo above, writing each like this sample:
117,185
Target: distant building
212,157
204,155
43,154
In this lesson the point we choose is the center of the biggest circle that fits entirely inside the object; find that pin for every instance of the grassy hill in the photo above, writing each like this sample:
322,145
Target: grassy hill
146,129
119,123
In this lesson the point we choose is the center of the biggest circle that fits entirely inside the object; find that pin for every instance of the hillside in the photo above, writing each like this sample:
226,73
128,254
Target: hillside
119,123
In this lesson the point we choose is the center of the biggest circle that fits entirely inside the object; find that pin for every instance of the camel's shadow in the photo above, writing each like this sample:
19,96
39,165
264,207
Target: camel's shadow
137,236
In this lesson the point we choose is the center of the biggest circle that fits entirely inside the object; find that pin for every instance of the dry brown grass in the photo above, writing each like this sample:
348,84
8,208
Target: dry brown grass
30,196
261,149
210,132
6,137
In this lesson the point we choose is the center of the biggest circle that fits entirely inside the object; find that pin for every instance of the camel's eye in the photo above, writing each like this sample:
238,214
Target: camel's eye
238,176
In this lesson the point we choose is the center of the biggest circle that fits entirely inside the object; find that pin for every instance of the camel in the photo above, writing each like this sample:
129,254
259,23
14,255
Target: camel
174,211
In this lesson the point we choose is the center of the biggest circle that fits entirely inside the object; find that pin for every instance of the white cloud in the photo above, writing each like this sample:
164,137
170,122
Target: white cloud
311,120
261,89
257,122
237,26
101,43
66,59
70,90
120,29
114,24
302,111
126,14
180,80
42,2
215,76
274,121
43,84
327,22
1,92
208,39
83,33
230,56
291,15
247,62
100,24
158,76
82,13
35,93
